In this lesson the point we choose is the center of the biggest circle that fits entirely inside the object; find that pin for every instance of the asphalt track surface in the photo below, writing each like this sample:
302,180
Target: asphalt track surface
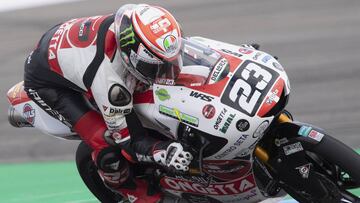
318,42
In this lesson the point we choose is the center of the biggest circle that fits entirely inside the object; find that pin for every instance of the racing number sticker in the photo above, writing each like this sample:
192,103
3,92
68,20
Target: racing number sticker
248,87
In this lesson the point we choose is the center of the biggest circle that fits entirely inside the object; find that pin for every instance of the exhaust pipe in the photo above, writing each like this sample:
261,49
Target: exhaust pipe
16,120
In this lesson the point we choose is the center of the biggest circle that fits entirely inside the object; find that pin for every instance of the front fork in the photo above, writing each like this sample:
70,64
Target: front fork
260,152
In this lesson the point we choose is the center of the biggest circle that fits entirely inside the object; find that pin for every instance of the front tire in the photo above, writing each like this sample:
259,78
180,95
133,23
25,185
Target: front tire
88,173
337,167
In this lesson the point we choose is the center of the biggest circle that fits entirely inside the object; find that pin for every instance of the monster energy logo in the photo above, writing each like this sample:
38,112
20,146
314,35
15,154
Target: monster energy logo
127,37
174,113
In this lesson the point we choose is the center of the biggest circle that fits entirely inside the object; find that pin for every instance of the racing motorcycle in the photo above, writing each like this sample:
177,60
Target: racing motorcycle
228,108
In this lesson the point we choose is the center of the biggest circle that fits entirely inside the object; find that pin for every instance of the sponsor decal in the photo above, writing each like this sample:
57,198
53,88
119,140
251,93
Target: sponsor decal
105,108
131,198
29,113
245,51
182,117
162,94
84,30
222,67
246,151
266,58
227,123
248,87
307,131
165,81
256,56
54,42
201,96
226,152
127,37
304,130
113,111
241,140
259,132
230,188
36,97
273,97
304,170
227,169
159,25
220,118
249,195
278,66
111,122
292,148
208,111
231,52
316,135
279,142
204,180
242,125
170,44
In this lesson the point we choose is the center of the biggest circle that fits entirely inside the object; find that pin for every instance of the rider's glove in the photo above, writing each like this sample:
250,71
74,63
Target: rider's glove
173,157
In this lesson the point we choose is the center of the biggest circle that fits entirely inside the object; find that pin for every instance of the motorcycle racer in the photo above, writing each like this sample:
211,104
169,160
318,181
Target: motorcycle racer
108,58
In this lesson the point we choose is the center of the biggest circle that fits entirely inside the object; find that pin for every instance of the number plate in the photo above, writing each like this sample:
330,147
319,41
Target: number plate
248,87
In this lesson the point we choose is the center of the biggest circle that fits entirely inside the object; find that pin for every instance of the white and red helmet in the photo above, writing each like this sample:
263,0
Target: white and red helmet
149,41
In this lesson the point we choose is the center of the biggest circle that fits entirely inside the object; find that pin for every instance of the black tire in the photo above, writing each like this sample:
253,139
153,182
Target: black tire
339,154
89,175
331,158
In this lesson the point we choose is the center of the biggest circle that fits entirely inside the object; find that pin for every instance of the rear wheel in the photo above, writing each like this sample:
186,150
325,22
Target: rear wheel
88,173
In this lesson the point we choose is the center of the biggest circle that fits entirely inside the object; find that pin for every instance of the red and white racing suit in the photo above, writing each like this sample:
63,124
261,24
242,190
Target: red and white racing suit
80,57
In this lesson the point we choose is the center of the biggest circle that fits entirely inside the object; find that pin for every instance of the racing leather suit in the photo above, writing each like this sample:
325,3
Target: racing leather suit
77,58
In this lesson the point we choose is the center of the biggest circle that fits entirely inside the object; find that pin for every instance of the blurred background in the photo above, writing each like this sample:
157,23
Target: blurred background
318,42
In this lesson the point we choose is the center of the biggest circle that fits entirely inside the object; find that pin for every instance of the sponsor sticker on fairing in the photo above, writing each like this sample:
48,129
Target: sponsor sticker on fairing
208,111
229,188
307,131
304,170
316,135
292,148
304,130
220,68
162,94
176,114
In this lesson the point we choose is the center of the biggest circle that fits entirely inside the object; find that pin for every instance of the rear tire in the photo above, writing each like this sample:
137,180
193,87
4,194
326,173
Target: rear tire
88,173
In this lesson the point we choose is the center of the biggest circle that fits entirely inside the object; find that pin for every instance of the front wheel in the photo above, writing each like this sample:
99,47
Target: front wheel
336,168
88,173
